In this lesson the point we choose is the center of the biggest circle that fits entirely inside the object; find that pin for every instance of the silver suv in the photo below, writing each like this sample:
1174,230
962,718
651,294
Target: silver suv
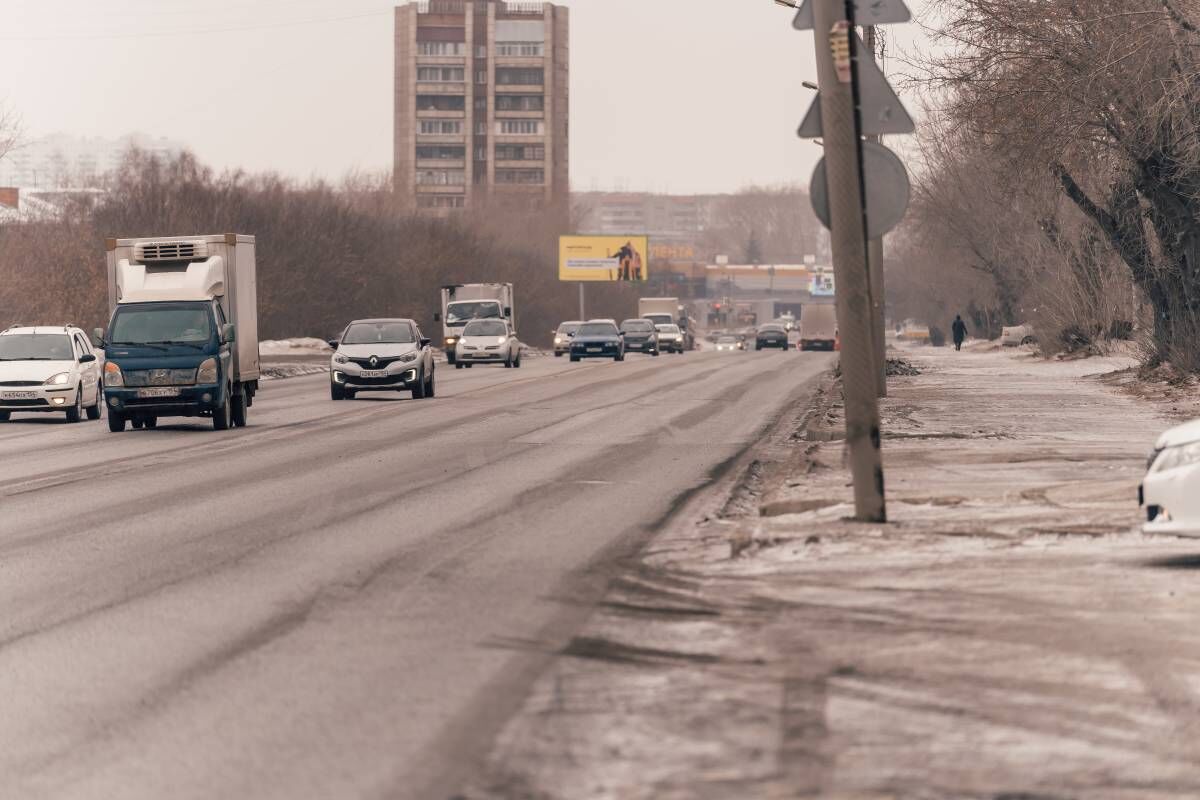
381,355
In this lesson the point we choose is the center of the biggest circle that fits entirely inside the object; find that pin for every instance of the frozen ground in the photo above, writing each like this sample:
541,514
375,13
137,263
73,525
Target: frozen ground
1009,635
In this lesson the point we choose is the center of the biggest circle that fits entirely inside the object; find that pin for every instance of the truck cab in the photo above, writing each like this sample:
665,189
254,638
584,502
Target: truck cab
182,340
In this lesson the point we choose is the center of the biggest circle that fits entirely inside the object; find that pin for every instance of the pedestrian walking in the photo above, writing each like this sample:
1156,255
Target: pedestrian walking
959,329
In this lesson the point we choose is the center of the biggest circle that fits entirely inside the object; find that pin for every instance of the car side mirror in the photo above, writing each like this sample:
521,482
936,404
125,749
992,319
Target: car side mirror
620,333
426,342
437,317
98,337
333,343
228,333
86,358
508,311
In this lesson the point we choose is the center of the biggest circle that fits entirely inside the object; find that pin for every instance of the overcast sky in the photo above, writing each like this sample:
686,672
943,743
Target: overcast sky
666,95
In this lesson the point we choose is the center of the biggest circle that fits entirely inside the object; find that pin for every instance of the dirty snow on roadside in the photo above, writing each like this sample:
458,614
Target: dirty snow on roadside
1009,634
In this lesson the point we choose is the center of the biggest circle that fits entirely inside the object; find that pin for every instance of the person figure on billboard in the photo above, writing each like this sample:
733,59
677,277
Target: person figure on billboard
637,265
624,256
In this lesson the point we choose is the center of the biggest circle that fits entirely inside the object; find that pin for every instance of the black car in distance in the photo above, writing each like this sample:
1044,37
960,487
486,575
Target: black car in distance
640,336
598,339
771,335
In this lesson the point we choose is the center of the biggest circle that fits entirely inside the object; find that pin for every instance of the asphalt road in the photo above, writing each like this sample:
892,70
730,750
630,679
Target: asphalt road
343,599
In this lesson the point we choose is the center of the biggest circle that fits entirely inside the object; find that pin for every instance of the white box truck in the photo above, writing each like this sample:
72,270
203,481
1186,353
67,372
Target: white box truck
463,302
818,327
182,338
668,311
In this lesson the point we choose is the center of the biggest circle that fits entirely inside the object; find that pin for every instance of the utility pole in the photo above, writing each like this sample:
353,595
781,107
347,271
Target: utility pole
875,260
843,163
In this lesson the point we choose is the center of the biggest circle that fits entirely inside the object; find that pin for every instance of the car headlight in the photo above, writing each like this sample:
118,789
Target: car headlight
451,341
501,339
340,359
408,358
1181,456
61,379
112,375
558,340
207,372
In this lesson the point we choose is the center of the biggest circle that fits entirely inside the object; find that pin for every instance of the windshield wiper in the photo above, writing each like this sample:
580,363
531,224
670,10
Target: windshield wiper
178,343
138,344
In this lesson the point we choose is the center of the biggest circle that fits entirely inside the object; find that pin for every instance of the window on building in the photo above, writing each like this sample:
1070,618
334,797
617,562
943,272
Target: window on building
481,154
441,127
520,152
520,76
441,201
524,177
481,129
520,127
481,51
481,77
441,74
525,49
441,48
441,177
481,104
520,102
441,152
441,102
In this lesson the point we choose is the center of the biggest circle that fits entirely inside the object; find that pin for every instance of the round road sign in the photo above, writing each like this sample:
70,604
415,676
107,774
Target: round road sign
888,190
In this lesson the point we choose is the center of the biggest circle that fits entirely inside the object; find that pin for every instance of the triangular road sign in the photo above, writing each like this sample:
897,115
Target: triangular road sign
866,12
812,128
882,111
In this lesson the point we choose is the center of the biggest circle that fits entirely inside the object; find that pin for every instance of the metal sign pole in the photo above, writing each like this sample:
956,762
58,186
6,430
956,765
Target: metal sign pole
582,314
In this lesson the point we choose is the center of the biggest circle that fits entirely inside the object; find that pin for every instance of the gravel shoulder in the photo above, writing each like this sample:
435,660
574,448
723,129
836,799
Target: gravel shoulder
1010,634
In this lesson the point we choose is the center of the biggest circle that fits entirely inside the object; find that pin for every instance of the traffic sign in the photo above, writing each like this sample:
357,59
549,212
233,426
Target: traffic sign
866,12
888,190
879,106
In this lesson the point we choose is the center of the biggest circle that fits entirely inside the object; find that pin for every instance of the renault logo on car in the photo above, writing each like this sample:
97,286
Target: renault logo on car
374,361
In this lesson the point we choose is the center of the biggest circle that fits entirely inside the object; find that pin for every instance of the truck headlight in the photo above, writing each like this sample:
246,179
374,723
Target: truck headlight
61,379
112,375
207,372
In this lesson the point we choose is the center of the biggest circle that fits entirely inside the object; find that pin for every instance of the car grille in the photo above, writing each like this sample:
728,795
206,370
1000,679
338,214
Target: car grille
380,363
20,383
387,380
23,403
160,377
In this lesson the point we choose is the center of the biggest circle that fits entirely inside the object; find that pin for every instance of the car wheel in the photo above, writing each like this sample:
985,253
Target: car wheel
557,354
459,366
574,359
468,366
619,357
237,411
654,353
137,424
94,410
517,363
221,418
336,392
75,413
431,389
418,391
116,421
151,423
4,416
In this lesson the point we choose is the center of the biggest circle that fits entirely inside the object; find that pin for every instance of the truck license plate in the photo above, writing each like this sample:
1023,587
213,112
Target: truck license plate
18,395
161,391
374,373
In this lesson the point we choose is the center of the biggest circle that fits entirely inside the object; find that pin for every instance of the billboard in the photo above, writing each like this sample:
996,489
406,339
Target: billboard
603,258
822,284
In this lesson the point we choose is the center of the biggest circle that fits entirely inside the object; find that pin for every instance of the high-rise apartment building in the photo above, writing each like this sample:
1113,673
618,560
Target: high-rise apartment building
481,103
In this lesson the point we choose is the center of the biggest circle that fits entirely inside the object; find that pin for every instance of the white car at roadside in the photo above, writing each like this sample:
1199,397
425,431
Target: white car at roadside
1168,494
488,341
49,368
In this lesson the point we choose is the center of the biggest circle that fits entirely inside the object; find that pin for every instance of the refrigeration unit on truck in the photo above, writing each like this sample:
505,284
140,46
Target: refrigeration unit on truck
464,302
668,311
182,338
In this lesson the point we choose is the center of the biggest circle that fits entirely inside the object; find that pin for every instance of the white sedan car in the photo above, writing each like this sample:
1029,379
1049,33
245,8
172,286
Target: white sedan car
488,341
1168,493
49,368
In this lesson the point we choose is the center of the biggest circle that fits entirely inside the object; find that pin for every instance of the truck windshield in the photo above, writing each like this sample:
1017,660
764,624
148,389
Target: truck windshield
162,324
379,333
35,347
459,313
486,328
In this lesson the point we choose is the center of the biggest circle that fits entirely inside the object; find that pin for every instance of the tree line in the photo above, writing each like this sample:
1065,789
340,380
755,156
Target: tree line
1060,174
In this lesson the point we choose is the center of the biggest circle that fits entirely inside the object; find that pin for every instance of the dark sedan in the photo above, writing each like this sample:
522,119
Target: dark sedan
771,336
640,336
598,340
